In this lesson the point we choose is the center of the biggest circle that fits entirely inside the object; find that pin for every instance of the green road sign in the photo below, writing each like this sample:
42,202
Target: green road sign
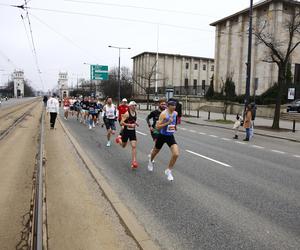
99,72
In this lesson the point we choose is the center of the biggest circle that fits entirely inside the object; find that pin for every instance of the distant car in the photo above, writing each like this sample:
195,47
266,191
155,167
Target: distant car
294,106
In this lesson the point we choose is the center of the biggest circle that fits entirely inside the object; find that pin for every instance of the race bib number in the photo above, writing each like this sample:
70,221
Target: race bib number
171,128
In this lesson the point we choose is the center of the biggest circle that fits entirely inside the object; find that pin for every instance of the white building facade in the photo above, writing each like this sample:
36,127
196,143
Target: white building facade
63,84
231,46
18,78
187,75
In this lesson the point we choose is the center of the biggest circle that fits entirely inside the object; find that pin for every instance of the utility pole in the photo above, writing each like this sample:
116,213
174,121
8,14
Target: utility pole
248,80
119,71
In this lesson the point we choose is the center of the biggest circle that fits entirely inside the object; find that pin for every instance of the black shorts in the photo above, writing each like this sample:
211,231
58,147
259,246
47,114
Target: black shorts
128,135
110,124
72,108
162,139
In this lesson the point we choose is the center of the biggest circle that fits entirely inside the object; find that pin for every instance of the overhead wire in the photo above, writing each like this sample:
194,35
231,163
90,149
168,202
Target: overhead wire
140,7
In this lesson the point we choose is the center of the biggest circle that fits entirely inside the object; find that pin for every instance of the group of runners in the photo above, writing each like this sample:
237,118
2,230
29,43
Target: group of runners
162,125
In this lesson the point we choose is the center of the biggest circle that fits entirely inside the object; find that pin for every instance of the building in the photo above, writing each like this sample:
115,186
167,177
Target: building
231,46
188,75
63,84
18,78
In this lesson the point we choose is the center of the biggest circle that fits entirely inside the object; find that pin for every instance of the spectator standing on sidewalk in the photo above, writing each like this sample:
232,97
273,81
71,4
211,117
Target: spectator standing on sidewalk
53,109
248,122
179,112
236,126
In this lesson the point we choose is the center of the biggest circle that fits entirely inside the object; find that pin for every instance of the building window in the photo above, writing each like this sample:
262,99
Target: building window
196,66
203,84
204,66
195,84
187,65
186,83
212,68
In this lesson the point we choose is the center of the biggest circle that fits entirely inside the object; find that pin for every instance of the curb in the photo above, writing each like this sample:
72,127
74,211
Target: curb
256,133
126,216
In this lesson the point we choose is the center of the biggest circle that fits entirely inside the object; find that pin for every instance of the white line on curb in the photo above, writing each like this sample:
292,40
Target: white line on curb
255,146
210,159
277,151
141,133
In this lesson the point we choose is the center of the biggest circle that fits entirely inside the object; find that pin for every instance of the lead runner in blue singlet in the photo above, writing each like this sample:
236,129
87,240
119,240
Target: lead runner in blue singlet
167,127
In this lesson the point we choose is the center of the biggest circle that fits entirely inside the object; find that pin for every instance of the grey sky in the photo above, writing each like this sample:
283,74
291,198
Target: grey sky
90,36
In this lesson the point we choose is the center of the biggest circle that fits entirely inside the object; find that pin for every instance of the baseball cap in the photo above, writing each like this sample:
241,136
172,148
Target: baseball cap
132,103
124,100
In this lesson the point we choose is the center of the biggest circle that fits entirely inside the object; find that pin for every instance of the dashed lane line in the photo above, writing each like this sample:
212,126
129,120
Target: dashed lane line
239,142
225,139
259,147
297,156
201,133
277,151
214,136
192,131
141,133
209,159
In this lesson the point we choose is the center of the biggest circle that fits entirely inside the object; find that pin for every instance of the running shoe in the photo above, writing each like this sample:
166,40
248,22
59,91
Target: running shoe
118,139
134,165
169,175
108,144
94,125
150,164
90,126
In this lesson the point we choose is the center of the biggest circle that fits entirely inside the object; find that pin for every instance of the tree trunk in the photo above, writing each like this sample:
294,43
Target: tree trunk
281,80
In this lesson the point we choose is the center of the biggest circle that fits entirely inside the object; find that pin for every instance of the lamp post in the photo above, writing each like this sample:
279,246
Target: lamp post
119,70
248,80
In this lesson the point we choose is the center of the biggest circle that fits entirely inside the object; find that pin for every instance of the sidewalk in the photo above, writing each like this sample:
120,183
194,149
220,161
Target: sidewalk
78,215
286,133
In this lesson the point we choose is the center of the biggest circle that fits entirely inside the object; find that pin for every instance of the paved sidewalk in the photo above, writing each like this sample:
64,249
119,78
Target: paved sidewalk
78,215
286,133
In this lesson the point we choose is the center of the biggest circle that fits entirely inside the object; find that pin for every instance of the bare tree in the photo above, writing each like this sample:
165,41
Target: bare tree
149,77
280,51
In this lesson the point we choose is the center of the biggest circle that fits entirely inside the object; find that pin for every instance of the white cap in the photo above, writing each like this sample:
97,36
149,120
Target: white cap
124,100
132,103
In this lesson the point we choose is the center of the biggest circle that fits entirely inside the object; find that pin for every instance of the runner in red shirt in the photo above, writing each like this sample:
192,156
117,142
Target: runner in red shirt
123,108
67,105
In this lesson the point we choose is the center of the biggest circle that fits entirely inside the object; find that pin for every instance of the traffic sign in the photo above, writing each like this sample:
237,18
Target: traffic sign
99,72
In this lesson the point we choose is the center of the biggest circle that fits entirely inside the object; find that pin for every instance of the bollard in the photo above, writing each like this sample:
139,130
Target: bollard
198,113
208,118
294,126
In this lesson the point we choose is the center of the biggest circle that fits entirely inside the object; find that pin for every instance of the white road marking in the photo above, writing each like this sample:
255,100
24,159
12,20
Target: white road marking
239,142
255,146
214,136
226,139
193,131
201,133
210,159
277,151
297,156
141,133
183,129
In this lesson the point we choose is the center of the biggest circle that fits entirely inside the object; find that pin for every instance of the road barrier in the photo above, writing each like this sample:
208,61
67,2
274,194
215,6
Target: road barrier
293,117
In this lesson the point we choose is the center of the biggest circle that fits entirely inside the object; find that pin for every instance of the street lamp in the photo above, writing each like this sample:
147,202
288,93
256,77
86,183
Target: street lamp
119,70
248,80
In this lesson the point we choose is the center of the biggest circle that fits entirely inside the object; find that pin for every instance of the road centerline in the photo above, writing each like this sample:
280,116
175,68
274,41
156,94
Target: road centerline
277,151
141,133
208,158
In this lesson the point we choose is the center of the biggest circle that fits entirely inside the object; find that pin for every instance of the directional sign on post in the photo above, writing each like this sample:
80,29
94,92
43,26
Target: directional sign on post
99,72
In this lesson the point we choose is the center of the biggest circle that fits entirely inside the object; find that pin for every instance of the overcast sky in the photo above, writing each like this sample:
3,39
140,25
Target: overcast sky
64,41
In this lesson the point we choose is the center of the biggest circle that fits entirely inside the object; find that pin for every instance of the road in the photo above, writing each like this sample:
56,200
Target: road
226,194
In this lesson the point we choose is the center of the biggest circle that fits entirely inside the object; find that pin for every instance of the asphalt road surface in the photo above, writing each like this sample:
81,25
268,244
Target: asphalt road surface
226,195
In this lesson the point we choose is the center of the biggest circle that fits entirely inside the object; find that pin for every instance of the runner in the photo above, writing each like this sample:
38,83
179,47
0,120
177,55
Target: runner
154,115
84,110
166,126
66,107
77,107
99,111
72,101
129,123
110,114
123,108
92,113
